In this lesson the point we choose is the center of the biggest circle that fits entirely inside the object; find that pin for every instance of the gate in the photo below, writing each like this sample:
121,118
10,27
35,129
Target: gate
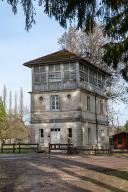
60,147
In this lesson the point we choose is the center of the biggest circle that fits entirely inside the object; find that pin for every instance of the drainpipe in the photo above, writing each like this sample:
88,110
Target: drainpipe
96,120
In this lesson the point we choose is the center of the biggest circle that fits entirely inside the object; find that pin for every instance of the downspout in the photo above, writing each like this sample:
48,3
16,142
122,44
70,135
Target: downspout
96,120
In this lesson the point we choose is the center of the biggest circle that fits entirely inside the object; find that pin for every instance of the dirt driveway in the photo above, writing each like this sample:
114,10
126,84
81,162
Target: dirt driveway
63,173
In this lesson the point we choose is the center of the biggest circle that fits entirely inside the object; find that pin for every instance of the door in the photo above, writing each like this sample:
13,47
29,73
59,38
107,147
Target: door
55,136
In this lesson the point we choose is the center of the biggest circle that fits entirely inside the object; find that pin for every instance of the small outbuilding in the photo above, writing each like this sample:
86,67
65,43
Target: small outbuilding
120,140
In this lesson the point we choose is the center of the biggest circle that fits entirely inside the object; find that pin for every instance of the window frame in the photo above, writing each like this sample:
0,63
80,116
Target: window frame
84,73
55,101
70,72
69,132
88,103
89,136
54,75
41,138
101,107
39,74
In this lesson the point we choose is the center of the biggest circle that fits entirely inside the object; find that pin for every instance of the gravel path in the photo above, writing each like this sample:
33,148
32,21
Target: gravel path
63,173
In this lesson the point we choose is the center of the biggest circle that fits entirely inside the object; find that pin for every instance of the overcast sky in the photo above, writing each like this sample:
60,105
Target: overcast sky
18,46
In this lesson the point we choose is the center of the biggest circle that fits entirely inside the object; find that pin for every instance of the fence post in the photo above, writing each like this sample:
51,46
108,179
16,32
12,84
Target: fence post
37,147
13,147
19,147
2,147
49,150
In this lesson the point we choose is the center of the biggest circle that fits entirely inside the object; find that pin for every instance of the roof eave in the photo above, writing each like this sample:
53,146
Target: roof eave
31,64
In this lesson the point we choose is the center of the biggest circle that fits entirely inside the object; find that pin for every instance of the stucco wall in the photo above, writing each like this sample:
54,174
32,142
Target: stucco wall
73,114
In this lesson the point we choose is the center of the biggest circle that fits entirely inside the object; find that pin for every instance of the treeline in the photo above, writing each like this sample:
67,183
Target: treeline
14,116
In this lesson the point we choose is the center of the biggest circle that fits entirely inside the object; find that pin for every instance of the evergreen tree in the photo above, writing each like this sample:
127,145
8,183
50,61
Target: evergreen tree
111,13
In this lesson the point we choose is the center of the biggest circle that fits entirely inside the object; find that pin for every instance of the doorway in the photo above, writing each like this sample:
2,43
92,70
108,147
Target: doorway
55,136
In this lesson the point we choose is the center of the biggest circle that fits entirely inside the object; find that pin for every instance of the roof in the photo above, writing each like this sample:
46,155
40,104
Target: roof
120,133
59,57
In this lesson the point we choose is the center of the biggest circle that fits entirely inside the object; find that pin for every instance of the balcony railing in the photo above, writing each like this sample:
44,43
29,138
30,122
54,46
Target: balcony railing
55,86
68,85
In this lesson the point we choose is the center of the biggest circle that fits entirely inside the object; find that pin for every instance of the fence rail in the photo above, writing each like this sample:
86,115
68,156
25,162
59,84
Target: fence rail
91,151
67,147
17,148
75,150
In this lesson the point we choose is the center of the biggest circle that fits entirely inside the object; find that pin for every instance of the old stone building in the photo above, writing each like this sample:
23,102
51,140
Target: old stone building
68,101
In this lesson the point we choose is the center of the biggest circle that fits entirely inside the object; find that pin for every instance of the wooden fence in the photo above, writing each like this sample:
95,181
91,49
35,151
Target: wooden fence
60,147
92,151
18,148
72,150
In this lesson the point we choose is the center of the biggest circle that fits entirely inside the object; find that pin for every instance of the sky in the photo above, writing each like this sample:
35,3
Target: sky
18,46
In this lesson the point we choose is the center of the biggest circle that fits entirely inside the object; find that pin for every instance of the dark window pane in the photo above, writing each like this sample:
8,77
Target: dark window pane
42,69
73,66
88,103
51,68
36,69
66,75
120,139
37,78
66,66
70,132
43,77
57,67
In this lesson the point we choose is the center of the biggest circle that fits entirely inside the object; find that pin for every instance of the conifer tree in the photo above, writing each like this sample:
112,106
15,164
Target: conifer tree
111,13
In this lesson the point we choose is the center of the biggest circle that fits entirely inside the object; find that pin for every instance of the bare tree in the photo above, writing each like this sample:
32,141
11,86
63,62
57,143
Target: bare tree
91,47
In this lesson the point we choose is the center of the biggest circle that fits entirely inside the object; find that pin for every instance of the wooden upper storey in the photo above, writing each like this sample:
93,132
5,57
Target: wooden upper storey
65,70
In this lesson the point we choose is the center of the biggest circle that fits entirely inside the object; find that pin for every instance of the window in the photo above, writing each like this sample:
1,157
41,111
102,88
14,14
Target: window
103,81
88,103
89,136
55,129
99,80
36,69
40,74
55,102
83,73
43,77
40,69
70,132
120,139
36,79
101,107
92,76
41,134
69,71
54,73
